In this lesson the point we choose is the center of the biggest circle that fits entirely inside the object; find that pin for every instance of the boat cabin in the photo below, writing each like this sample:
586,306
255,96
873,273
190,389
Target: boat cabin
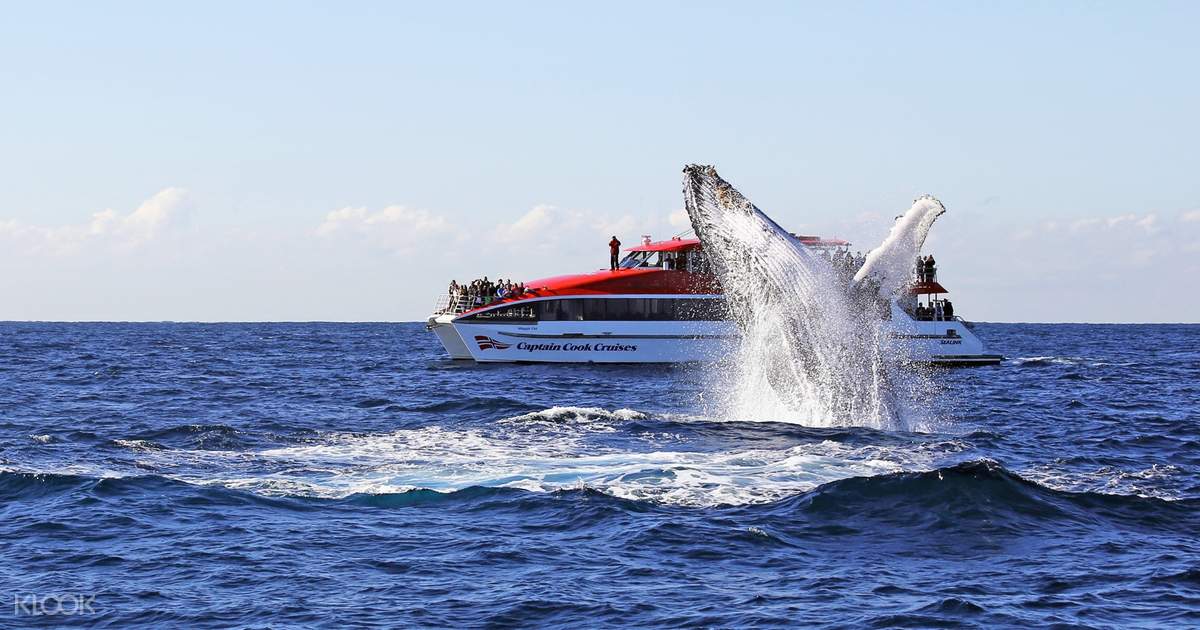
676,254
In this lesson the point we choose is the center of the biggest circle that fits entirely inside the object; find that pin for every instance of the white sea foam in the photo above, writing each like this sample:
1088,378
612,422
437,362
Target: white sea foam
137,445
452,460
1157,481
540,455
552,449
601,418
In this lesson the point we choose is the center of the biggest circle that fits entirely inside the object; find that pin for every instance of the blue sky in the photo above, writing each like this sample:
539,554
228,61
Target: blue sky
343,161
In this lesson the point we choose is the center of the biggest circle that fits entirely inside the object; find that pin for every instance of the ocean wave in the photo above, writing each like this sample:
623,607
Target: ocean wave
139,445
575,415
1042,361
32,486
536,454
979,496
979,493
195,436
21,485
16,484
460,404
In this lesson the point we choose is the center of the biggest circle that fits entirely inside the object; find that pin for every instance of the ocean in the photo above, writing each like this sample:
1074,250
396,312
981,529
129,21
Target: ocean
338,475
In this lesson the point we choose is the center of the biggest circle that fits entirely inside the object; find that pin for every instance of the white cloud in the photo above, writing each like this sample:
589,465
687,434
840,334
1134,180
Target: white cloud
547,225
156,214
1147,223
165,210
395,227
535,224
1191,217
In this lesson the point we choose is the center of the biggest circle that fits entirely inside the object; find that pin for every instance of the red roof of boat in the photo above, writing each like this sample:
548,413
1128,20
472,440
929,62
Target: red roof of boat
674,245
926,288
817,241
638,280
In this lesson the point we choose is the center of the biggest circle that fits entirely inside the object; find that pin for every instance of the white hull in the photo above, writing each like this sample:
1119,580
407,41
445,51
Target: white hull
939,343
443,326
597,342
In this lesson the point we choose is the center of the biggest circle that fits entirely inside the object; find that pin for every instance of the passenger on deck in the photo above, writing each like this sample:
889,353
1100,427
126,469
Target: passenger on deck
937,311
919,313
614,250
930,269
948,310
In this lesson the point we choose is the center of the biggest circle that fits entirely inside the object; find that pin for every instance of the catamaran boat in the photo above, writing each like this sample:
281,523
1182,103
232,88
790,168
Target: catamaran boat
661,305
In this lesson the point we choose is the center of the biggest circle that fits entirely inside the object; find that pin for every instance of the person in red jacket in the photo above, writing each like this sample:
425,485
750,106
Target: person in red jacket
614,250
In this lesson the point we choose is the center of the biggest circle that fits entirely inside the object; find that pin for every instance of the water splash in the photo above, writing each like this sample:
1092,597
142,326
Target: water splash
814,349
891,263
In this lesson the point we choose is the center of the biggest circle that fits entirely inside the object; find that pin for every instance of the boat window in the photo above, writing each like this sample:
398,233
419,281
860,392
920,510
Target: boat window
616,309
661,309
642,259
630,309
700,309
593,309
638,309
634,259
560,310
515,312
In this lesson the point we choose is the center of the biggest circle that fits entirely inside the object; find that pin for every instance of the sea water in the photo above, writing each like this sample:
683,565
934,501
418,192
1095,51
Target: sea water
215,475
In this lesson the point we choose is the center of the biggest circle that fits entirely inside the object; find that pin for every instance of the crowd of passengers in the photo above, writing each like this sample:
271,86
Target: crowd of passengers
935,311
845,263
483,291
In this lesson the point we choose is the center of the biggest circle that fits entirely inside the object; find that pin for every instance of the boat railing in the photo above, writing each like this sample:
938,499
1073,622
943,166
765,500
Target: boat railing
450,304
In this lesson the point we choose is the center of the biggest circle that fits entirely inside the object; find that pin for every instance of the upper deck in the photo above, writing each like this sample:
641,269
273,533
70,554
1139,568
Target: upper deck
676,266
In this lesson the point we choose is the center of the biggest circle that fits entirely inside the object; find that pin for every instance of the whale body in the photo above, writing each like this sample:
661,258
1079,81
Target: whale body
812,347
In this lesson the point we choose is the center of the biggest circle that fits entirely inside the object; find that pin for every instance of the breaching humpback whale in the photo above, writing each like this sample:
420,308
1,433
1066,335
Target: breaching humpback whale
813,340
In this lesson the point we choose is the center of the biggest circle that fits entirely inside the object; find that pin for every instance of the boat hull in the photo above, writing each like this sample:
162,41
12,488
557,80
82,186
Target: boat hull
442,325
597,342
942,343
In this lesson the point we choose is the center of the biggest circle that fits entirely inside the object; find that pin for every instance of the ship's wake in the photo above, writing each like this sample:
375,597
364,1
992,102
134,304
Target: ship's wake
814,348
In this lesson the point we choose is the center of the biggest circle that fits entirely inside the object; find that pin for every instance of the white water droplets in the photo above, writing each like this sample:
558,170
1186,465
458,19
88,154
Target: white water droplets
891,263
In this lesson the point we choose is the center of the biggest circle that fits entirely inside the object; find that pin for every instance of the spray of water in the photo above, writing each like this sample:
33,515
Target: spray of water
814,348
891,263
